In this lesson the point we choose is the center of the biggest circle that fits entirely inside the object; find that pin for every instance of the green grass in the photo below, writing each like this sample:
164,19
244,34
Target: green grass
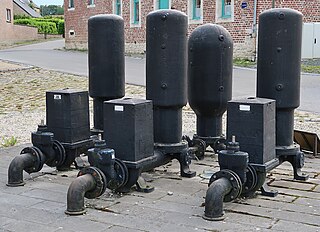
9,142
244,63
310,69
249,64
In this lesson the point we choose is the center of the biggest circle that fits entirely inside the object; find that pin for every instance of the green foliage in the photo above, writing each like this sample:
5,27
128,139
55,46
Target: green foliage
310,69
21,16
244,63
49,25
51,10
9,142
61,27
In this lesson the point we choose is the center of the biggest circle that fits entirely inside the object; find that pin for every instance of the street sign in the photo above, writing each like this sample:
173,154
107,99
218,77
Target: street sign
244,5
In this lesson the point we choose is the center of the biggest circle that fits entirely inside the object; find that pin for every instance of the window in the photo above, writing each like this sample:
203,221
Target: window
135,13
117,7
71,3
195,11
8,16
224,10
162,4
90,2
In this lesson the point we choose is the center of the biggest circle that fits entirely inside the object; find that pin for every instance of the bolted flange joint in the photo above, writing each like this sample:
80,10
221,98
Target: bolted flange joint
100,181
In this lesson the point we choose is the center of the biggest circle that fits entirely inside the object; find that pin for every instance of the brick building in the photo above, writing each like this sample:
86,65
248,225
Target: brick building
8,31
238,16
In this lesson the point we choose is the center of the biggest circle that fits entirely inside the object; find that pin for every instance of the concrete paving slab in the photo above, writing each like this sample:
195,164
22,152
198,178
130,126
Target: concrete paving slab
40,204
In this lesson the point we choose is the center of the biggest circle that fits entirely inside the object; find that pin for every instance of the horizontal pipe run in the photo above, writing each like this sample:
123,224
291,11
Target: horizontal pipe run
76,192
160,159
214,199
17,165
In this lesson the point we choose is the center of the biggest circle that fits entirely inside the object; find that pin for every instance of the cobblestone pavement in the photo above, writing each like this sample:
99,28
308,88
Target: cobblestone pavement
176,203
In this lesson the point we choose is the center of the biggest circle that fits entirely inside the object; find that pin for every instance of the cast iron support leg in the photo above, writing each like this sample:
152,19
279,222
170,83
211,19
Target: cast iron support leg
184,161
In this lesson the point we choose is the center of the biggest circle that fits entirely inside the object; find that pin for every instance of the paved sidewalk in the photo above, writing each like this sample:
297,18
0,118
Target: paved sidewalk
175,205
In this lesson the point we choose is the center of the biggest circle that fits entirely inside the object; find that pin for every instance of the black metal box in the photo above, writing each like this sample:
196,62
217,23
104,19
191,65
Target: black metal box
128,128
67,113
252,122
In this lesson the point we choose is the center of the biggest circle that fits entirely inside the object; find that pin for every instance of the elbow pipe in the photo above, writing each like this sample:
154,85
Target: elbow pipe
30,160
214,199
90,183
224,186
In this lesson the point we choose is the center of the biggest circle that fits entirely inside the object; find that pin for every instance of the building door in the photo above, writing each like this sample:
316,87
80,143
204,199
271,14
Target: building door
163,4
311,41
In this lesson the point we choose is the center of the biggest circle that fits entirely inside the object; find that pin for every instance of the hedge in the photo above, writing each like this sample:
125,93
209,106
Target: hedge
44,25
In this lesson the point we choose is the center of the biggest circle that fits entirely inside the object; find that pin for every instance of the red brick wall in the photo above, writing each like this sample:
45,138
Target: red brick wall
240,28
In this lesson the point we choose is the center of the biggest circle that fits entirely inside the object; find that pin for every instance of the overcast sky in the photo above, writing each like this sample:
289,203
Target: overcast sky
48,2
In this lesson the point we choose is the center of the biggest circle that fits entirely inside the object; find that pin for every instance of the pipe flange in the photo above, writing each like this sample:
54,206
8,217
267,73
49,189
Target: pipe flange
251,182
100,180
201,148
234,180
122,174
60,153
38,162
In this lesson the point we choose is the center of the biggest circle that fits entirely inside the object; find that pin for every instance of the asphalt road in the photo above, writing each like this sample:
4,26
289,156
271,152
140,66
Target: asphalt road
49,55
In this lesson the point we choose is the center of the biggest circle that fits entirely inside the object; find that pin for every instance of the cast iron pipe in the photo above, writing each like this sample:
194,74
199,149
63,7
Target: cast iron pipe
76,192
17,165
214,199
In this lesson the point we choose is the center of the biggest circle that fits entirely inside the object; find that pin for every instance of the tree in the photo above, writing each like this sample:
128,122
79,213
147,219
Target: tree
51,10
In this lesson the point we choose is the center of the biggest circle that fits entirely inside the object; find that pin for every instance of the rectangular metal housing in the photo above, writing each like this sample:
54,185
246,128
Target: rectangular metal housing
67,113
252,122
128,128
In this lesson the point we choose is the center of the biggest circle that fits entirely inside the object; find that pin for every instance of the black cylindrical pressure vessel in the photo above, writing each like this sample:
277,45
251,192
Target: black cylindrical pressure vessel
279,66
106,62
210,77
166,70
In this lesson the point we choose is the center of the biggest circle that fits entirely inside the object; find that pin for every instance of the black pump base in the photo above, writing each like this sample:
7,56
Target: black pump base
178,151
295,157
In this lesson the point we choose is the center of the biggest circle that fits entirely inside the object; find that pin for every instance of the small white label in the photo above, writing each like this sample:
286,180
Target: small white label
118,108
57,97
244,107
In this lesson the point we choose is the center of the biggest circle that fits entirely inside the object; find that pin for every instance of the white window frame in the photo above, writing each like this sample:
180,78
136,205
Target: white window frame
156,4
91,3
190,13
132,22
219,18
114,7
8,15
69,5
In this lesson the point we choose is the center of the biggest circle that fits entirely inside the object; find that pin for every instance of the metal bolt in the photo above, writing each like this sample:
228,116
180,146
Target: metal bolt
279,49
164,17
163,46
164,86
221,88
221,37
233,138
281,15
231,178
279,87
